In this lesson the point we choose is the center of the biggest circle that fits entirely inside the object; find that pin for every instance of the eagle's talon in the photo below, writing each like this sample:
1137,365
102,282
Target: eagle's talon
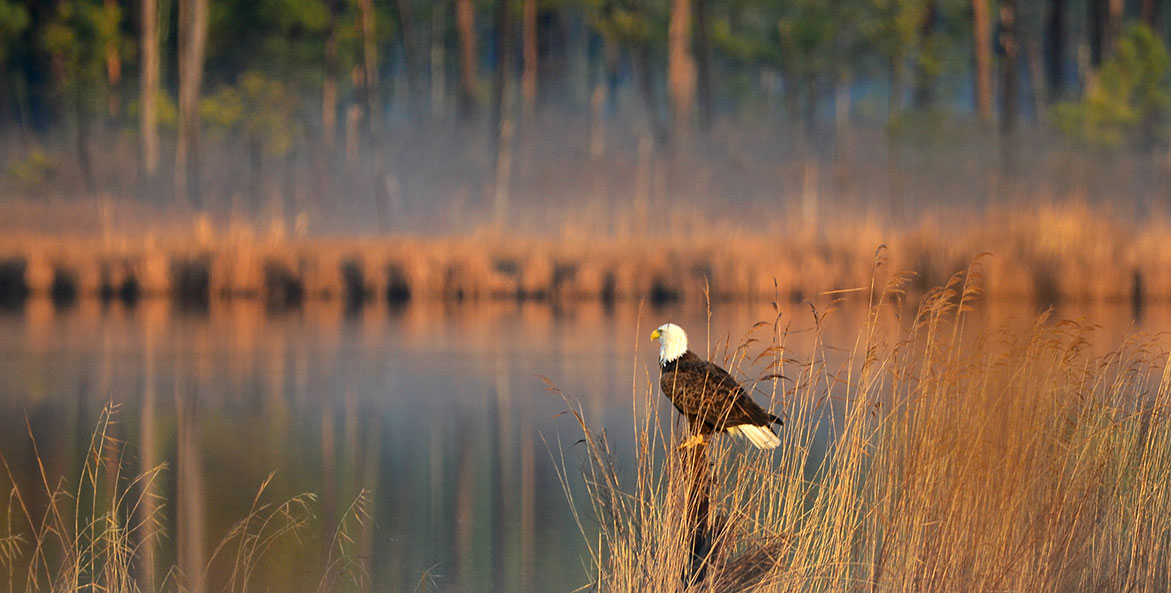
694,440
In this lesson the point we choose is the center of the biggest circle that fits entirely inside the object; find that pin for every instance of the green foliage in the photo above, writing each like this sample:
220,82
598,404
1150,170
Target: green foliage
745,32
297,16
808,30
739,47
166,110
261,109
79,36
893,25
947,48
32,172
286,39
1131,99
629,22
14,19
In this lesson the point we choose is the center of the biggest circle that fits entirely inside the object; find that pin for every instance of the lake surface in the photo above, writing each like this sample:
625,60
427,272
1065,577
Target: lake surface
439,412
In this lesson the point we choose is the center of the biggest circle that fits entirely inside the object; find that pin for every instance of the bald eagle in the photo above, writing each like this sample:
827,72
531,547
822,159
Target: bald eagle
710,399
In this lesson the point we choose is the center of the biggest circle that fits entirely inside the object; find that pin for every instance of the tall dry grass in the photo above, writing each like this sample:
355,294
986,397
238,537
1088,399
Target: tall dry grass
97,531
931,455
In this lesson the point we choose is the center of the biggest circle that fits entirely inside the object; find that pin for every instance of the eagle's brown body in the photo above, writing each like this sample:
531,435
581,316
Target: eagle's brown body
710,399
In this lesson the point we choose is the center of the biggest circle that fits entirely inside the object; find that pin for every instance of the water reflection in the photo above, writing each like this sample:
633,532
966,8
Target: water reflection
437,410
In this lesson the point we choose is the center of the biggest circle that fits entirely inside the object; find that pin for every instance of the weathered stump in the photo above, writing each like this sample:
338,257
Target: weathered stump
698,508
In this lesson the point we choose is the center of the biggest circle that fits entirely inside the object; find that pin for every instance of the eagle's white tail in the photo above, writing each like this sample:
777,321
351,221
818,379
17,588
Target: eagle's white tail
760,436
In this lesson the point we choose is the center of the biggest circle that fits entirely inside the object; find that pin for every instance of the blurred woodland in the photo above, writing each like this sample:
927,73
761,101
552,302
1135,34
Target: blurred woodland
374,116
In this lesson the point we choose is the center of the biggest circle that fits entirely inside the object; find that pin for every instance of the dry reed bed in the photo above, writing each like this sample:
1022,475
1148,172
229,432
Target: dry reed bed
106,529
1048,254
939,457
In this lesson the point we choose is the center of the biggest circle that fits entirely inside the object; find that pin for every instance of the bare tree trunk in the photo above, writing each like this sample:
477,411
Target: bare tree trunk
894,162
465,22
192,44
372,99
1096,30
1151,14
529,78
527,129
642,70
329,83
8,108
370,66
610,73
897,82
681,75
843,139
1036,64
502,127
503,63
602,74
1114,11
982,46
406,25
353,130
438,59
82,113
113,71
1010,48
576,73
703,49
149,86
323,157
923,95
1055,42
1105,24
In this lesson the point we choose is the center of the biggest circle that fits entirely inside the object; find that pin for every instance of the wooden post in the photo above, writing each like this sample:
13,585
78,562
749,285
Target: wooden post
698,505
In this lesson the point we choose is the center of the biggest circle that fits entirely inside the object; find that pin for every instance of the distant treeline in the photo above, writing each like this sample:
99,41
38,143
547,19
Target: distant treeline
200,102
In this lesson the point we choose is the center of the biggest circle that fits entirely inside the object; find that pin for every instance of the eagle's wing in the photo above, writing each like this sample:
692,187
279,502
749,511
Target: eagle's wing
703,391
688,386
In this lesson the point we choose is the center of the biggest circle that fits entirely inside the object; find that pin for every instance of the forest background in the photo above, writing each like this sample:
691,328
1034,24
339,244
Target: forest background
610,117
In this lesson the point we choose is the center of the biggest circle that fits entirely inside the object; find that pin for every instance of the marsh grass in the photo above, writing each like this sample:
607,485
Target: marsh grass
931,455
93,532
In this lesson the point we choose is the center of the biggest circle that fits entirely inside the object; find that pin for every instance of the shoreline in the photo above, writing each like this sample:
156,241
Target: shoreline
1078,259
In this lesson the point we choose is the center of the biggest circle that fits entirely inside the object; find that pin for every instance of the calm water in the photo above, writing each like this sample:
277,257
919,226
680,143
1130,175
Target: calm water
439,412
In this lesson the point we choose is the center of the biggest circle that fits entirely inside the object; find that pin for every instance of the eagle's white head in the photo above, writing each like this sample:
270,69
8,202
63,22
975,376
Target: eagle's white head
672,342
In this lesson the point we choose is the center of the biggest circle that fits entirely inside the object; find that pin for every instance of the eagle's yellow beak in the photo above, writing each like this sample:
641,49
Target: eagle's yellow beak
655,334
